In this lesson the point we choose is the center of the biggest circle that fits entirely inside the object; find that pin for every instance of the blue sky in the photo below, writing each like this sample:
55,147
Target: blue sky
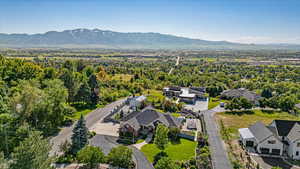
247,21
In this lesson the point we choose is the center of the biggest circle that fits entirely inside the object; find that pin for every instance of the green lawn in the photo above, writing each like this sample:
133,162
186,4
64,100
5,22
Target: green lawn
213,102
176,114
244,120
181,152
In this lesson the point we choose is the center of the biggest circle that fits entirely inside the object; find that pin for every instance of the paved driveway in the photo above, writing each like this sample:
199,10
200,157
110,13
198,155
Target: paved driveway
92,118
106,128
198,106
268,162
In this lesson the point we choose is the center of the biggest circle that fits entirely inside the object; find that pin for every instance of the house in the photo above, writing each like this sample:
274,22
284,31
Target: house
241,92
191,124
145,121
136,102
289,133
172,91
281,137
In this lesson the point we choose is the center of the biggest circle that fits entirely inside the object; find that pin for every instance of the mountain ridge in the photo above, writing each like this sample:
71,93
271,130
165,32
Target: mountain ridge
110,39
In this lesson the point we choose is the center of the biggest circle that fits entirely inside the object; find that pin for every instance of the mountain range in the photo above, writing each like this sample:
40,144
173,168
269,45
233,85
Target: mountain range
96,38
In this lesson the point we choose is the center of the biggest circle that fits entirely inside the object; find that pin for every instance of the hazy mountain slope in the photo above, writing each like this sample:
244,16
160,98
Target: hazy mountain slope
109,39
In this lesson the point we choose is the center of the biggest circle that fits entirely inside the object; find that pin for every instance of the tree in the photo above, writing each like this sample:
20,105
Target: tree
166,163
287,103
33,152
161,136
245,104
91,156
80,136
173,133
84,93
120,156
267,93
276,167
3,162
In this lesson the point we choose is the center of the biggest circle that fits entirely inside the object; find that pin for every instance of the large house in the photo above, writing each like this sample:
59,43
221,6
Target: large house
145,121
281,137
241,92
187,95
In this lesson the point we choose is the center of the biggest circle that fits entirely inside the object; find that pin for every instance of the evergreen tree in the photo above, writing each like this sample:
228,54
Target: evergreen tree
32,153
80,135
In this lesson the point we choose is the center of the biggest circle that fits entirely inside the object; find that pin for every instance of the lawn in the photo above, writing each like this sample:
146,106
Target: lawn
213,102
122,77
181,151
235,121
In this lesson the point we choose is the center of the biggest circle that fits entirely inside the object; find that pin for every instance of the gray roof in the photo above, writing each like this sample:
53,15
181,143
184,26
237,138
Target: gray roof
298,105
241,92
149,116
294,134
260,131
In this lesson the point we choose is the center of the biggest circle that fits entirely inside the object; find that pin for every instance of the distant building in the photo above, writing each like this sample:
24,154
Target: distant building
281,137
241,92
172,91
187,95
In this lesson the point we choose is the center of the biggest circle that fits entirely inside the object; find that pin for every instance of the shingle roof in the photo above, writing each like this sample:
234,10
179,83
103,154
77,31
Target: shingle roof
294,134
260,131
284,126
241,92
298,105
148,116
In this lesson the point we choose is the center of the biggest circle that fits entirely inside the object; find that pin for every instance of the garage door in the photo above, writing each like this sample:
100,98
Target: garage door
276,151
249,143
264,150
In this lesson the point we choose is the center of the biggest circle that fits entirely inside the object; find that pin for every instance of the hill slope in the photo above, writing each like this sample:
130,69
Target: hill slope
85,38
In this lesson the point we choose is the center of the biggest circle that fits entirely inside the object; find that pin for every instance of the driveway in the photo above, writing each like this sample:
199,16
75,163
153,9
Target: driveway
92,118
268,162
106,143
106,128
199,105
217,148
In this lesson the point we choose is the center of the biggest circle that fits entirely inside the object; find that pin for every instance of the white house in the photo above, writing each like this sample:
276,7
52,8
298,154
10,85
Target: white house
136,102
281,137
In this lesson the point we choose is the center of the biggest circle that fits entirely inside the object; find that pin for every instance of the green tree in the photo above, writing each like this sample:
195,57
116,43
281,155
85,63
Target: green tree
120,156
287,103
3,162
33,152
84,93
166,163
80,135
91,156
161,136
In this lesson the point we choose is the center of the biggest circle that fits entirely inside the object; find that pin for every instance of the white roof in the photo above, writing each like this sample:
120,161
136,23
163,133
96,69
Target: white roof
141,98
246,133
185,93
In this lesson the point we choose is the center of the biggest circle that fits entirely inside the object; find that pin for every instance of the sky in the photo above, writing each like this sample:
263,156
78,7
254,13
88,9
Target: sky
244,21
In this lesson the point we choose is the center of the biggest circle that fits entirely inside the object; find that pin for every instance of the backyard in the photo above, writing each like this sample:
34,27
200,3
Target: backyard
184,150
235,120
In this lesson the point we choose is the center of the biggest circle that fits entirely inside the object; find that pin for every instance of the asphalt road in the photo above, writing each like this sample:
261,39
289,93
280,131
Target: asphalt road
92,118
106,143
219,154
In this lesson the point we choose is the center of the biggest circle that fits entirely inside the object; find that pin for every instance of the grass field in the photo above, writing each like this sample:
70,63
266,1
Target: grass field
122,77
213,102
234,121
181,152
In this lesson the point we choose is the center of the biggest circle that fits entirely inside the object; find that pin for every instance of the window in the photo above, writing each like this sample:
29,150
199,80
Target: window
297,153
298,144
271,141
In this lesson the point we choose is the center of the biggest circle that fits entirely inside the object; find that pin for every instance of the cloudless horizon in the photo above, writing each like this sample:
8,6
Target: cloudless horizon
255,21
